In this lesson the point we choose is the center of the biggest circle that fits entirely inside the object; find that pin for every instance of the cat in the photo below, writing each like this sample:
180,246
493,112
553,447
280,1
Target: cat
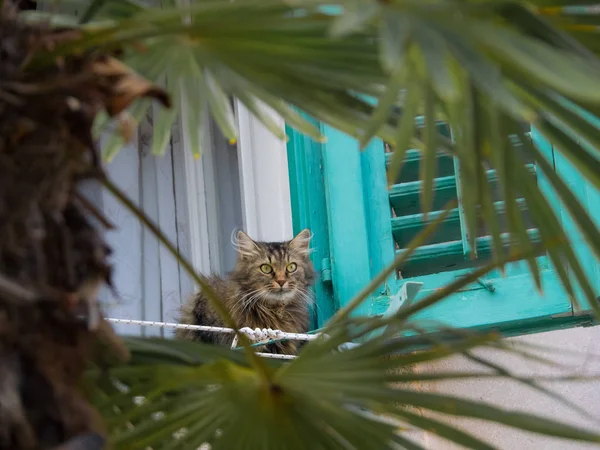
268,288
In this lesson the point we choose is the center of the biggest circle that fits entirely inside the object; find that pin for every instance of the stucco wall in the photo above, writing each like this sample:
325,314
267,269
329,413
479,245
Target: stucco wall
577,349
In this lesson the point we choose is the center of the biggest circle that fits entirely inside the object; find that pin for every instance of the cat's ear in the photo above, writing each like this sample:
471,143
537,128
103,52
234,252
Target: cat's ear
244,244
301,243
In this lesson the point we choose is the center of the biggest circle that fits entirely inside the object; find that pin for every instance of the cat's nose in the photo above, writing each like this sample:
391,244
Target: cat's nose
280,282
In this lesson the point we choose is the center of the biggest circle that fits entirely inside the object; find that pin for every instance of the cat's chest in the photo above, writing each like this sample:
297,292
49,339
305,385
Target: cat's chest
276,319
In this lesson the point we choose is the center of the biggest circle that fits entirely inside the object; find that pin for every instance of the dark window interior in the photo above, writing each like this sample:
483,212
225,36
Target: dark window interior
26,5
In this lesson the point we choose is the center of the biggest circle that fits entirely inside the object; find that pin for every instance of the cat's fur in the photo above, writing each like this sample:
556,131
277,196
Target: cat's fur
279,300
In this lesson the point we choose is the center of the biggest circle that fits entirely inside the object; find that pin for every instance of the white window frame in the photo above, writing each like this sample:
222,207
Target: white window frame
265,178
264,183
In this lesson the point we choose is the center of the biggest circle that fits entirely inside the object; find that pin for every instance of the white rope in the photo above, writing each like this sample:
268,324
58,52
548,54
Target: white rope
256,335
275,355
148,323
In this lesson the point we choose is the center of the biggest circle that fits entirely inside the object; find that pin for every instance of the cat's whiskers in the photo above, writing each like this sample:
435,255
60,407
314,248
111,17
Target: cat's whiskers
257,294
260,296
248,301
247,294
309,299
245,299
305,294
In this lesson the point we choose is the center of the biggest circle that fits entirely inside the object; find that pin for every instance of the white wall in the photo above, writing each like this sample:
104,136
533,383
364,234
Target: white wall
148,281
577,349
265,178
195,202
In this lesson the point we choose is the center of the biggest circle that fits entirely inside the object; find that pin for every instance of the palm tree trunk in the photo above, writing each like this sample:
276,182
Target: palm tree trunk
52,259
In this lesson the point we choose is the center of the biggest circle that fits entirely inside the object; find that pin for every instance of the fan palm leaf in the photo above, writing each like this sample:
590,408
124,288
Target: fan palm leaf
350,63
367,68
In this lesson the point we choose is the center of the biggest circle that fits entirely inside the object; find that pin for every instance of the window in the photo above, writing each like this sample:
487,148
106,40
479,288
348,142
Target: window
342,192
196,203
342,196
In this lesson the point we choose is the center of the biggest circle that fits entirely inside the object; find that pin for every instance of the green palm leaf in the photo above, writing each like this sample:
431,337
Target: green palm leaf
320,400
484,67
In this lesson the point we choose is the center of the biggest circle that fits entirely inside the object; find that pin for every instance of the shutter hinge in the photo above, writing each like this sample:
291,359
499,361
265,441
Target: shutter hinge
326,270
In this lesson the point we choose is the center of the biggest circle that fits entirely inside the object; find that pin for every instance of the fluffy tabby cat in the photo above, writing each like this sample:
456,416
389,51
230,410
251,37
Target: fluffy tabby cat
269,288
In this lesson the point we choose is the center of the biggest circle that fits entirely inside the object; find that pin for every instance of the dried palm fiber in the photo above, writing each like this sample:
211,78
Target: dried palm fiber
52,260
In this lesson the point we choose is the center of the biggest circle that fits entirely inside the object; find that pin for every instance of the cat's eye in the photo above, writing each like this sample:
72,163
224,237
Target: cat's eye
265,268
291,267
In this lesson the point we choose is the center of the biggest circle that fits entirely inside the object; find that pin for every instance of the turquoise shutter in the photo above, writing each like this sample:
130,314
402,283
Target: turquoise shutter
366,224
309,210
589,198
340,194
510,303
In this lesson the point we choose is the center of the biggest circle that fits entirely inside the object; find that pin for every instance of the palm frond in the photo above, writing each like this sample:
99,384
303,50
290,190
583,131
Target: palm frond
357,398
350,65
367,68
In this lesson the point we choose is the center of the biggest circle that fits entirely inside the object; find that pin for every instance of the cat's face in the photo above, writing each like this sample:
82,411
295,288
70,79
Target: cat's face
275,271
